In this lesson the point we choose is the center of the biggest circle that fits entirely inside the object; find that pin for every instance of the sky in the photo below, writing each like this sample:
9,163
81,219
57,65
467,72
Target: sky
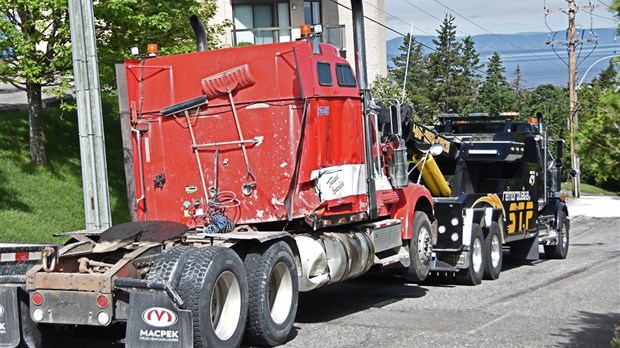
495,16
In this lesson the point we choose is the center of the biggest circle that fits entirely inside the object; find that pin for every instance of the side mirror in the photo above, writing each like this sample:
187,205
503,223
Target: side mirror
436,149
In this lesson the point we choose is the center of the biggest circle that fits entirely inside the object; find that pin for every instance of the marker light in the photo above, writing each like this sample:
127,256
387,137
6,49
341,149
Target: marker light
37,298
103,318
306,29
37,314
134,51
151,50
102,301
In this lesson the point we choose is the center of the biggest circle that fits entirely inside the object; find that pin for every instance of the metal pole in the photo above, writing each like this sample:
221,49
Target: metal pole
92,146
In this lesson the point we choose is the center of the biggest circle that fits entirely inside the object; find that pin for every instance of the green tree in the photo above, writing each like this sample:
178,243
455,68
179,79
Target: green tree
444,68
496,96
417,87
550,100
468,79
122,24
518,88
607,78
599,137
34,41
35,37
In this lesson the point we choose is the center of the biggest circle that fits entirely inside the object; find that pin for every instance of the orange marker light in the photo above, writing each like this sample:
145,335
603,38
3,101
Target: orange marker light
151,50
306,29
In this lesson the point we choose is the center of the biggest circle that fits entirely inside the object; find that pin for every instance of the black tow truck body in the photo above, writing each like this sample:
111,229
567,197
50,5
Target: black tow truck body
499,172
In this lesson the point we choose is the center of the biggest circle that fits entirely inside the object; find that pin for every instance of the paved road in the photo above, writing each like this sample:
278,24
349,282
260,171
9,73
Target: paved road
546,303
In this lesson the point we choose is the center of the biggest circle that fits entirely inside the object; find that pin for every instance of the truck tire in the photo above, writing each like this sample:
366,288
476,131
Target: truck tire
214,287
472,275
273,293
493,253
420,249
560,250
168,265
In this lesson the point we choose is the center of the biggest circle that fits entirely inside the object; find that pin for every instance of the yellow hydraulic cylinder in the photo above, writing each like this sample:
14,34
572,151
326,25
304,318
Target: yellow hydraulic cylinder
434,180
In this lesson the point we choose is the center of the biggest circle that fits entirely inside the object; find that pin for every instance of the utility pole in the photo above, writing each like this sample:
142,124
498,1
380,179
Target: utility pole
90,121
571,43
572,95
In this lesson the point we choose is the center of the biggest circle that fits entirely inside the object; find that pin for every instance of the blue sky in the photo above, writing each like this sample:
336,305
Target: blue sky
496,16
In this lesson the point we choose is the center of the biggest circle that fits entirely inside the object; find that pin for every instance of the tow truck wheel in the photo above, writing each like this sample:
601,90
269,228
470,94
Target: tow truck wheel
493,252
472,275
214,287
420,249
273,291
169,264
560,250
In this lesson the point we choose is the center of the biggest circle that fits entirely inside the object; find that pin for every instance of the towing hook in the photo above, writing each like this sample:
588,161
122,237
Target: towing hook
48,259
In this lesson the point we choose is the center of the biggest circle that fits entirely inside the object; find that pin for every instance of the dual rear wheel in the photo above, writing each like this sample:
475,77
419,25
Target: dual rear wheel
485,256
222,291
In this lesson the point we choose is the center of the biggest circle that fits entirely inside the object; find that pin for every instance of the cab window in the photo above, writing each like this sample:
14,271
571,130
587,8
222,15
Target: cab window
345,76
324,73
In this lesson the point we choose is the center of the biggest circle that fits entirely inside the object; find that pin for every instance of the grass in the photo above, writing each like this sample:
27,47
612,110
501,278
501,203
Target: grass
36,201
587,189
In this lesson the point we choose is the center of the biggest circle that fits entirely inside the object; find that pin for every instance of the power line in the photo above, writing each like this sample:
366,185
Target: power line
497,36
372,20
393,30
398,18
603,17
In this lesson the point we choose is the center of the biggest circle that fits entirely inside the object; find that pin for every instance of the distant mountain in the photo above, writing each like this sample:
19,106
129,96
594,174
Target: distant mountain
538,62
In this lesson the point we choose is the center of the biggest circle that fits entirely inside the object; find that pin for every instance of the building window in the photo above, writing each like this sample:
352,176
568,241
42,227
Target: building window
324,73
261,23
344,75
312,12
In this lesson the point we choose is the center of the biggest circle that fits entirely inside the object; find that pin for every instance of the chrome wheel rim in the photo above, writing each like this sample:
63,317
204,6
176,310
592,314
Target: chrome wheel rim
280,293
225,305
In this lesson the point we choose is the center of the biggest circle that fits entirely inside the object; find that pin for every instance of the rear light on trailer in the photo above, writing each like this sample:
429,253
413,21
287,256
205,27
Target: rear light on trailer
37,298
103,318
102,301
37,314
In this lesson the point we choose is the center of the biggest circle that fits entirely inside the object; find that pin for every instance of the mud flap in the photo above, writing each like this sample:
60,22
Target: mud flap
526,249
9,317
155,320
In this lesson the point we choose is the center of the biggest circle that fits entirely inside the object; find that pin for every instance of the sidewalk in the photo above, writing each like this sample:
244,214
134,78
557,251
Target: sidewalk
594,206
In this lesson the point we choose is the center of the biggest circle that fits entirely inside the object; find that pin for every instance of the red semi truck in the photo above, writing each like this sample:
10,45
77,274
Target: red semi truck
259,172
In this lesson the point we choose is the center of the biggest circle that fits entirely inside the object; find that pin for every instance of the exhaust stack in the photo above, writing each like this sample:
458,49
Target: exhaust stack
199,33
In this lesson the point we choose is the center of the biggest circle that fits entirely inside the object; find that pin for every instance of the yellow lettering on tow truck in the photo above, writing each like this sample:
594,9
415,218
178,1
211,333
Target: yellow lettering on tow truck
519,214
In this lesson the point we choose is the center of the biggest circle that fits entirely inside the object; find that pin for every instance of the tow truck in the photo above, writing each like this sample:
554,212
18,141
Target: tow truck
495,184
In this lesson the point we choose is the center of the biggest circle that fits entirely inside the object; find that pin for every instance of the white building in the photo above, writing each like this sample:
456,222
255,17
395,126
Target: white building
267,21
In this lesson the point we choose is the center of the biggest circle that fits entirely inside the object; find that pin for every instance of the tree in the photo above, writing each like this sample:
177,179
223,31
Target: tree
444,67
607,78
496,95
122,24
550,101
518,88
468,80
417,87
34,37
599,137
